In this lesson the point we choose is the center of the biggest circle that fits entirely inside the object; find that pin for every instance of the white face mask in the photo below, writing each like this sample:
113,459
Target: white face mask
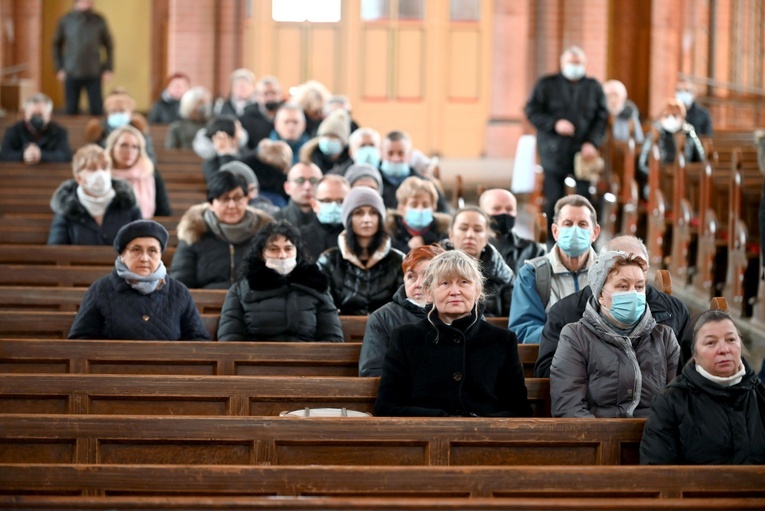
671,123
98,183
281,266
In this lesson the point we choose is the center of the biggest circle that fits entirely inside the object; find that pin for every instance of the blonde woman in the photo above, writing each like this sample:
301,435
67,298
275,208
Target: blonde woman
127,148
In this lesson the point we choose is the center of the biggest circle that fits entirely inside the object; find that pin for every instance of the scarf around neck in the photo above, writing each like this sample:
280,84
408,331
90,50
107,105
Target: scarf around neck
95,206
144,285
232,233
143,186
725,381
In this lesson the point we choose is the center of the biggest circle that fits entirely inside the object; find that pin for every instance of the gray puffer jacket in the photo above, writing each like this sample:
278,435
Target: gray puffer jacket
598,372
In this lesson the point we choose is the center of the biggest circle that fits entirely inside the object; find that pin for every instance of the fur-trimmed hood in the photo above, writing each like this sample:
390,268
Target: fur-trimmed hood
193,226
262,278
307,149
96,130
65,202
443,221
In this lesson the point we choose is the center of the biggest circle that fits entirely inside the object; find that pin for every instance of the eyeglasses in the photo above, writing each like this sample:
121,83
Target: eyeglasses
302,180
236,199
330,201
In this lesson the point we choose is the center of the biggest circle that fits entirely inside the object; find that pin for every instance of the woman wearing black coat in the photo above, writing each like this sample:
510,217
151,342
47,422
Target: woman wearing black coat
138,301
714,412
364,270
408,306
281,297
453,363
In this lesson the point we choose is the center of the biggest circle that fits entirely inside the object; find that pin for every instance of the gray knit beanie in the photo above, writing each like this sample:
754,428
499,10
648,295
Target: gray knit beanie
359,170
598,272
362,196
241,169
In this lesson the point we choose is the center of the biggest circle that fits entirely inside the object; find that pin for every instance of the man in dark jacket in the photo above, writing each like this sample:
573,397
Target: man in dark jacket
36,139
666,310
302,180
77,44
695,114
502,207
321,234
569,112
258,118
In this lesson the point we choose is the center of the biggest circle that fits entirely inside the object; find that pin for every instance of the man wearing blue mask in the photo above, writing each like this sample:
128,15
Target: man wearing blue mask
695,114
394,167
414,223
569,111
321,234
364,146
545,280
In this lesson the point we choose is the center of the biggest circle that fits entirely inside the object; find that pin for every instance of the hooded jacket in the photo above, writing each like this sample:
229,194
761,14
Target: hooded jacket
202,259
437,230
267,306
696,421
598,372
359,289
468,368
399,311
73,225
665,309
310,153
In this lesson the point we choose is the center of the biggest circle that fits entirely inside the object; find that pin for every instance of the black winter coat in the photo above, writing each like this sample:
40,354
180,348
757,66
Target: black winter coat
52,141
380,324
360,291
202,259
73,225
516,250
257,125
112,309
318,237
165,111
266,306
468,368
294,215
582,103
696,421
699,117
665,309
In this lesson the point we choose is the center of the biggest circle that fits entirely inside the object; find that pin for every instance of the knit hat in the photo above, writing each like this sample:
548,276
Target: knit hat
362,196
140,229
598,272
241,169
337,123
359,170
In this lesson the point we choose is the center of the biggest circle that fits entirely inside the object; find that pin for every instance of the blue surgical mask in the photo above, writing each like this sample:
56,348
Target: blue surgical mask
574,241
368,154
418,218
573,72
395,170
684,97
330,213
118,120
627,307
330,146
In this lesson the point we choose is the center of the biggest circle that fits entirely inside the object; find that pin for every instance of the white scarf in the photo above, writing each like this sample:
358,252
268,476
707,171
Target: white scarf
725,381
95,206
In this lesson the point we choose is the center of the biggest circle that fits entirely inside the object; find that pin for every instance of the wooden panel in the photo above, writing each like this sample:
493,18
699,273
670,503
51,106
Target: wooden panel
463,60
324,61
162,405
37,451
288,54
410,64
175,453
351,453
524,453
375,64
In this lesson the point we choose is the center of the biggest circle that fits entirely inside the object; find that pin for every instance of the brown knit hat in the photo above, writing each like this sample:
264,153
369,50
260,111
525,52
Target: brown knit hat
338,123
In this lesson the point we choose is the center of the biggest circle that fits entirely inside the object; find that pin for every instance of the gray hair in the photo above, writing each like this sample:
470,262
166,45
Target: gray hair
715,316
242,74
606,264
576,201
454,263
573,50
355,139
626,243
191,98
39,98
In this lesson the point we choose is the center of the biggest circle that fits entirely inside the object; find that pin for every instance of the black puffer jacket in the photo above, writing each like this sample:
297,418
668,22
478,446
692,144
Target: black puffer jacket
266,306
516,250
499,280
665,309
318,237
202,259
73,225
112,309
357,289
380,324
468,368
696,421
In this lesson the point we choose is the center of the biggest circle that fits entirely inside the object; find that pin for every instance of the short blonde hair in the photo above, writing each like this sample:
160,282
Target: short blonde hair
190,102
275,153
143,158
413,185
90,153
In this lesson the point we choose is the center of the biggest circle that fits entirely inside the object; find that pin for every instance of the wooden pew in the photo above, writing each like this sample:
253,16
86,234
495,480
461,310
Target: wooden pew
66,255
586,482
200,395
25,356
130,440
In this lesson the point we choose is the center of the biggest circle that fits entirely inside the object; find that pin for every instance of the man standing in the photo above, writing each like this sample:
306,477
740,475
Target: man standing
77,44
695,114
569,112
302,180
36,138
502,207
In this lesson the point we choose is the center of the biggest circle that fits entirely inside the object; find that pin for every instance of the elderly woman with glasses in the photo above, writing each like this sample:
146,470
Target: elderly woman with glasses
213,237
452,362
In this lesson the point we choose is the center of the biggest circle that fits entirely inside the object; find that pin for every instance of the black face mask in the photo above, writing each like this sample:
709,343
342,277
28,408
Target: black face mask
37,122
503,223
272,105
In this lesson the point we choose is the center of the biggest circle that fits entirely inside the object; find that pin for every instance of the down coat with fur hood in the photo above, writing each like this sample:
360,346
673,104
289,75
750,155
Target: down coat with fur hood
204,260
267,306
73,225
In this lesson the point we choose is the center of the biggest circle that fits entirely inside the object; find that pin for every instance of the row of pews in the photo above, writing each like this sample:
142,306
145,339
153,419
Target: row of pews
197,425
